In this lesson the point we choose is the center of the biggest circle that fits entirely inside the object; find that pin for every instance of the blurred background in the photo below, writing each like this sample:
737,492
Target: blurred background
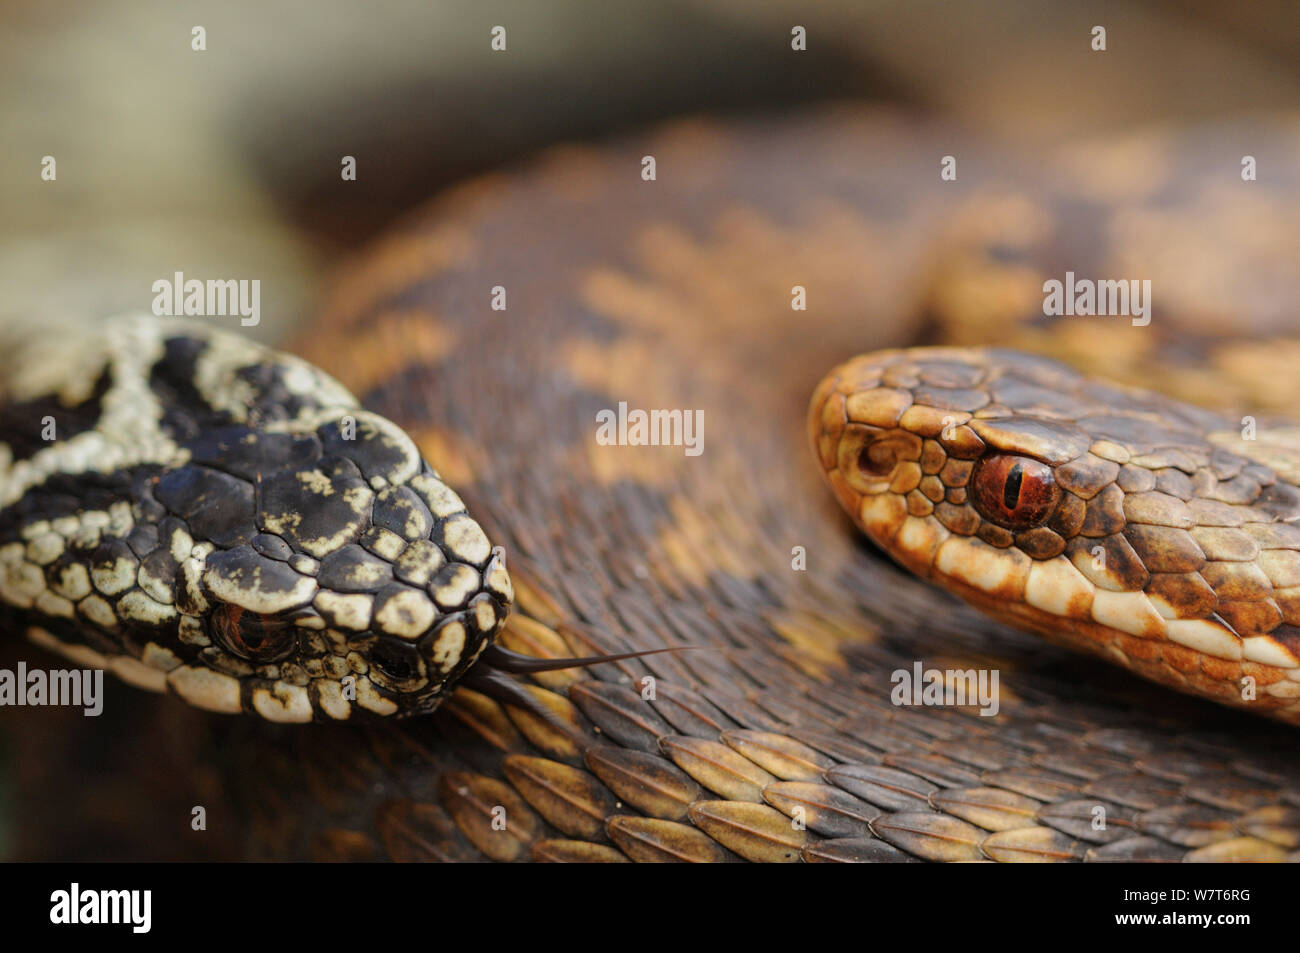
226,162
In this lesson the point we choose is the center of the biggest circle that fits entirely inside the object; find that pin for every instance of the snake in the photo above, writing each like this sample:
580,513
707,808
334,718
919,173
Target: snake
713,656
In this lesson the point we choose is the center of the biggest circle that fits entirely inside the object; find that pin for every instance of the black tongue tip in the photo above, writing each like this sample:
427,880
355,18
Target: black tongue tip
504,660
488,675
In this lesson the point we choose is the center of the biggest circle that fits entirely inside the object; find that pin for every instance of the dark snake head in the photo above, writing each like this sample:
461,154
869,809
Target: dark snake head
349,579
227,523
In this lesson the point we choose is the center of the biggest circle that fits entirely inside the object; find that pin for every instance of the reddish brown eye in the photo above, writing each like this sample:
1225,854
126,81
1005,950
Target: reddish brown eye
257,638
1015,492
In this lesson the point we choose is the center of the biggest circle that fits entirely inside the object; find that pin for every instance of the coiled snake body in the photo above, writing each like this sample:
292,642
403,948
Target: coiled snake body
332,574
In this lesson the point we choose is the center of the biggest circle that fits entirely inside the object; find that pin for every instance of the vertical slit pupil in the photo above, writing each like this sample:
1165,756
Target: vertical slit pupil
1011,489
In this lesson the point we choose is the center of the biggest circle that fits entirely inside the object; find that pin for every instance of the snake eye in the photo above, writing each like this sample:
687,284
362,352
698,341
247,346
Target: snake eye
1015,492
251,636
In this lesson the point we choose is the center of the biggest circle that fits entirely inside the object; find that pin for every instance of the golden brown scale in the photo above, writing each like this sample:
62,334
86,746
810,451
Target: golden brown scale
677,293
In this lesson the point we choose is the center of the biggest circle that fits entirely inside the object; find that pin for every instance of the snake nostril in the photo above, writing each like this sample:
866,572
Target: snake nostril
868,458
876,459
397,663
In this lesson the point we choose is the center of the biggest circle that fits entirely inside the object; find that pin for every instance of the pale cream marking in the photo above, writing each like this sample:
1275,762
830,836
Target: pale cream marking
244,589
976,563
1162,606
20,582
138,607
195,596
1055,586
449,645
205,688
314,481
1266,651
97,610
1130,612
284,703
371,700
72,581
304,564
120,519
54,605
181,545
1102,577
190,631
458,588
498,580
329,695
406,614
44,549
881,516
66,525
385,544
155,587
114,577
349,610
393,437
1282,566
134,672
440,498
159,657
485,615
32,530
1205,636
921,537
466,540
86,537
129,429
419,561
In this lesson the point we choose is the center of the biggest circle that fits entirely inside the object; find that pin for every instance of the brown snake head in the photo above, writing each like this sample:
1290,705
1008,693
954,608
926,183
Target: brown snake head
1158,535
